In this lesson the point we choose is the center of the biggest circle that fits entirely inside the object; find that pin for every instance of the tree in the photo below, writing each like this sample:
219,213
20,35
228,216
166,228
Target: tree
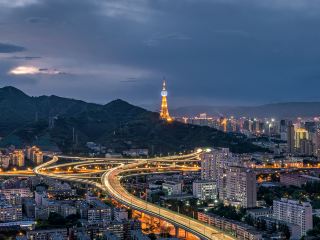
56,219
285,230
273,227
152,236
249,220
72,219
229,212
261,224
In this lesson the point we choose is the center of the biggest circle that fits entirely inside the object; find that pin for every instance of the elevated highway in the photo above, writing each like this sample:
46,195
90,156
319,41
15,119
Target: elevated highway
110,182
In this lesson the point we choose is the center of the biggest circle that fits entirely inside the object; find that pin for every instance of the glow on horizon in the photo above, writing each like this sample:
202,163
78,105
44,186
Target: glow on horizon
31,70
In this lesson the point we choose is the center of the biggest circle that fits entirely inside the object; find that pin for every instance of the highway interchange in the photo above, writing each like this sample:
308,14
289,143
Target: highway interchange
106,174
119,168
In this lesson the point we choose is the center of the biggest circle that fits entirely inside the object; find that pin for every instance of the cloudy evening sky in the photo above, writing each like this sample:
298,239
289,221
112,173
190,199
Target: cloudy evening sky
212,52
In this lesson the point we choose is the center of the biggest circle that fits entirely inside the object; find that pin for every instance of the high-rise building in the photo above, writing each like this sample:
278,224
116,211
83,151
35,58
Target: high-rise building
310,126
294,212
290,138
247,125
38,158
17,158
209,166
4,161
29,152
214,166
316,142
306,147
35,155
164,112
235,184
300,134
241,187
283,126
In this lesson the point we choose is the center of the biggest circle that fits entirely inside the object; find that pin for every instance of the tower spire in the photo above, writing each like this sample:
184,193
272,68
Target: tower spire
164,112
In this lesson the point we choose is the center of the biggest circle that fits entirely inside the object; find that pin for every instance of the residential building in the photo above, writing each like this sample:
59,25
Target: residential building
10,213
120,214
40,197
273,224
294,212
296,179
205,190
290,138
241,187
214,165
17,158
117,228
4,161
47,234
306,147
300,134
66,210
256,213
240,230
23,192
99,211
35,155
172,188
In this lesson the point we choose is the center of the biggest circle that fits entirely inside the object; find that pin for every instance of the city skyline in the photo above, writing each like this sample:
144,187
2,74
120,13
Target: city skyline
159,120
100,51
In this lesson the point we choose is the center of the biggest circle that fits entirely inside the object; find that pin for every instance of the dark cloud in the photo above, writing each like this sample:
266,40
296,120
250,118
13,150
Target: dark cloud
156,39
37,20
25,57
211,51
10,48
130,80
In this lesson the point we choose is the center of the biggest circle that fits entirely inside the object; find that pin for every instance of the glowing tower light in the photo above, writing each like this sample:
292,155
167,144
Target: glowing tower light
164,112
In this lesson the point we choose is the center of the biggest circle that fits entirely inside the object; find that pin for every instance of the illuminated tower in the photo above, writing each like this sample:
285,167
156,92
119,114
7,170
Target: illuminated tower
164,112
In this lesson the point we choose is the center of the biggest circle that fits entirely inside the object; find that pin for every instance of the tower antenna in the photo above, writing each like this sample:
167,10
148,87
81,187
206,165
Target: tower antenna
164,112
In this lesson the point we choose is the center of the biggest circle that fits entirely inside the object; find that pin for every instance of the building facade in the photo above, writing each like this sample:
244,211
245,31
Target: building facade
294,212
205,190
241,187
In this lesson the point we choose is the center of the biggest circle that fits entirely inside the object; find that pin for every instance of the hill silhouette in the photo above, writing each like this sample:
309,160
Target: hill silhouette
68,124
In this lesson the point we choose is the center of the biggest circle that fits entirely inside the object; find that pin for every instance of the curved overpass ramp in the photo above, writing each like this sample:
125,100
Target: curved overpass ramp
111,183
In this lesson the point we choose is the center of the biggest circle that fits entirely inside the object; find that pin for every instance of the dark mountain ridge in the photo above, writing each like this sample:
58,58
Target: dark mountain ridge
67,124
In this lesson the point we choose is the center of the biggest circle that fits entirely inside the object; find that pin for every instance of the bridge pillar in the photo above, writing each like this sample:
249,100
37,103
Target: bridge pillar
177,232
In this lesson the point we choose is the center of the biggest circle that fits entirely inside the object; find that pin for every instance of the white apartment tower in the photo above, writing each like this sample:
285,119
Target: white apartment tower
294,212
241,187
205,190
214,166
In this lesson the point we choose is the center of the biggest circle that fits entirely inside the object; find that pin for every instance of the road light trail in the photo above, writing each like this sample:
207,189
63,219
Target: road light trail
111,183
